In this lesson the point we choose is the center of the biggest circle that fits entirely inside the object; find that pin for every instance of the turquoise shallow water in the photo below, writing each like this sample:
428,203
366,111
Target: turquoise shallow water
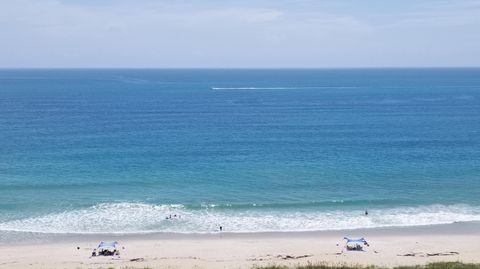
85,151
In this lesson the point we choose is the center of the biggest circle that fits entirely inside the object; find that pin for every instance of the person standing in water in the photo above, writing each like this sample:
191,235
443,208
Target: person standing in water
366,213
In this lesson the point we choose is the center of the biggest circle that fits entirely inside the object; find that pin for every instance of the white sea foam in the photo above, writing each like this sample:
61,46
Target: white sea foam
141,218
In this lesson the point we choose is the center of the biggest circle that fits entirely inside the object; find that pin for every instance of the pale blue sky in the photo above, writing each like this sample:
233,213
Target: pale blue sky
249,33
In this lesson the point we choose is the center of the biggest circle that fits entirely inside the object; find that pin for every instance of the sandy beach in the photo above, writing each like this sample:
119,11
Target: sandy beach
388,247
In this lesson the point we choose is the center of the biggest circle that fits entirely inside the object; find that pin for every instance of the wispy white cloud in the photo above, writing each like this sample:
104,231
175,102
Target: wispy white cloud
233,33
440,13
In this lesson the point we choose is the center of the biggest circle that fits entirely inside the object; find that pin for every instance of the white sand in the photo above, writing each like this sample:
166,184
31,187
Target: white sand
247,250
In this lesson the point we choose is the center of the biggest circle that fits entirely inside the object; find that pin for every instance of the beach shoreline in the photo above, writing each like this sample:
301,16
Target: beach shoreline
388,247
21,238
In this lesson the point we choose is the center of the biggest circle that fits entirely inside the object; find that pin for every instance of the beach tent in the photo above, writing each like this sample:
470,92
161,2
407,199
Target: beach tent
355,244
107,248
108,244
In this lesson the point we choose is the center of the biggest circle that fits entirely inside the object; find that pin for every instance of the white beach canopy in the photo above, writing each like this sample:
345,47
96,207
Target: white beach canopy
361,240
108,244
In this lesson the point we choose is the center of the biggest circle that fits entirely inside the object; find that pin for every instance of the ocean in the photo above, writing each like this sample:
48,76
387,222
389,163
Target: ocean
122,150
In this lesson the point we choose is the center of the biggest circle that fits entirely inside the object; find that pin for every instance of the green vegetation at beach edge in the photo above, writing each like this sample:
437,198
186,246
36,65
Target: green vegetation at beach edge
436,265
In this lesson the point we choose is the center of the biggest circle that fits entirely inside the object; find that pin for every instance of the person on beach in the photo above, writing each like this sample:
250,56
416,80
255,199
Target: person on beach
221,228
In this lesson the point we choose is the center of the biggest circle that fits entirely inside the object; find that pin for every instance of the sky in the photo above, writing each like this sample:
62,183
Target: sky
239,34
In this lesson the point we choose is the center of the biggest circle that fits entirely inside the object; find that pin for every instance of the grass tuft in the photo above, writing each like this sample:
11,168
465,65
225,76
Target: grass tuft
436,265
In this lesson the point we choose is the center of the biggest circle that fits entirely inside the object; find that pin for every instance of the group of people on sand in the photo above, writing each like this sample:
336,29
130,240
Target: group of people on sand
105,252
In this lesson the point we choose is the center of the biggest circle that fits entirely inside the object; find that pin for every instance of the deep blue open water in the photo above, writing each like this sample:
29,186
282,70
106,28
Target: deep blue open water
85,151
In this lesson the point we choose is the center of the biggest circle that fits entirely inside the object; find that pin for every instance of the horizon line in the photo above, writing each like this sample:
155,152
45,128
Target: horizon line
242,68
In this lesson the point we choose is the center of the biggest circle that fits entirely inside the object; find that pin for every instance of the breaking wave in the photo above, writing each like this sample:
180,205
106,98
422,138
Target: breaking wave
145,218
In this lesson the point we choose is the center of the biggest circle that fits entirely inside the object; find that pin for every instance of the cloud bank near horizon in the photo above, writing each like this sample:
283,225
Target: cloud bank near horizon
263,33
